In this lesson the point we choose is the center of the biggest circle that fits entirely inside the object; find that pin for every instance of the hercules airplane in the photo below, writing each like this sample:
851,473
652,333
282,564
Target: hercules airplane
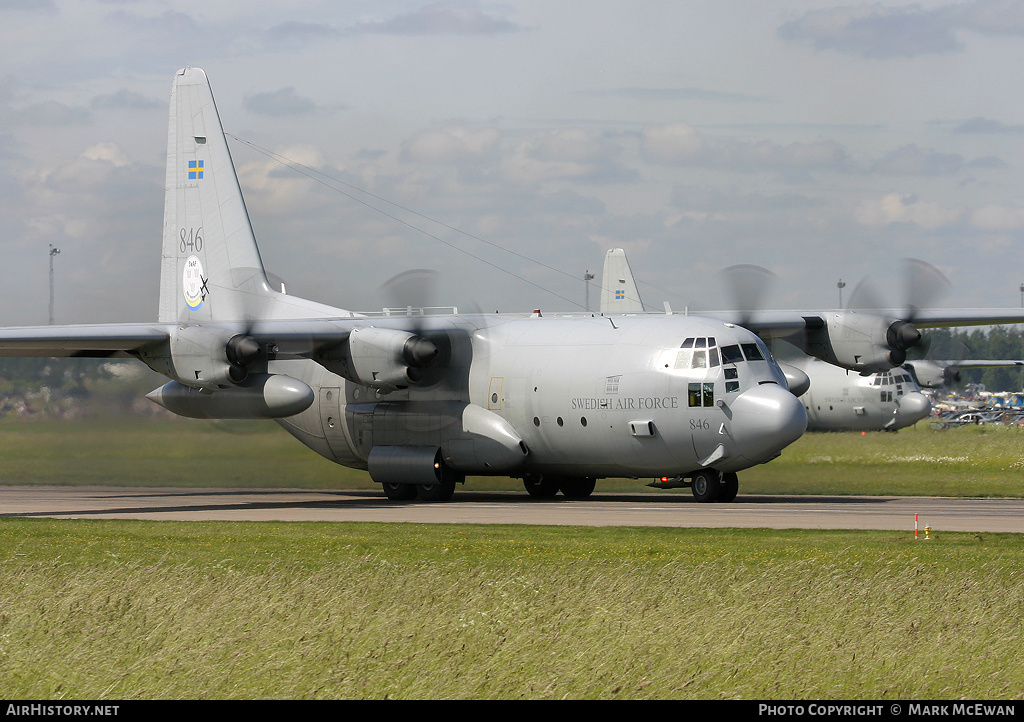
841,400
422,401
835,398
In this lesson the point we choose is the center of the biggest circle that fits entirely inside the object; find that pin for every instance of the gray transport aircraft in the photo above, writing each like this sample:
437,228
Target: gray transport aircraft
835,398
421,401
842,400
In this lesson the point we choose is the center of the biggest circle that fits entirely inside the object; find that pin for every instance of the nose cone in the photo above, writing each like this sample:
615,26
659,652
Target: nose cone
911,408
765,420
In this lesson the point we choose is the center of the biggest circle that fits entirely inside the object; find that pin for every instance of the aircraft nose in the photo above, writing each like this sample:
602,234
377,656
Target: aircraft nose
765,420
912,408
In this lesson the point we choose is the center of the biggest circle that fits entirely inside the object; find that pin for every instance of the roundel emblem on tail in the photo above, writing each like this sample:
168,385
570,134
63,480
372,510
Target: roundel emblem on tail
193,283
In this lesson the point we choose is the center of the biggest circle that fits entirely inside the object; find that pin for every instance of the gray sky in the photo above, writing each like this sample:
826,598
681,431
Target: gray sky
517,141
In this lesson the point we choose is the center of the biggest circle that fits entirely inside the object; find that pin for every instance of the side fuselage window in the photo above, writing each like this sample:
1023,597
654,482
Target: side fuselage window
701,395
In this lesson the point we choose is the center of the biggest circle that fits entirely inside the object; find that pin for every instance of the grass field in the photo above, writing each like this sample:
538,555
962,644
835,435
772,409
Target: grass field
983,461
110,610
160,610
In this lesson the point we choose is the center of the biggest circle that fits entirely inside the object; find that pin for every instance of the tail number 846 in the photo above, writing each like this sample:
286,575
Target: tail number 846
190,240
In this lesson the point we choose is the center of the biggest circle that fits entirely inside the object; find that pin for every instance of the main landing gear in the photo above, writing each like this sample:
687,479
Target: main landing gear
547,486
443,490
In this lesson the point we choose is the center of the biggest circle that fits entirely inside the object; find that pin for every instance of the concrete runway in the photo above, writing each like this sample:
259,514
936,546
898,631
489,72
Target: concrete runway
468,507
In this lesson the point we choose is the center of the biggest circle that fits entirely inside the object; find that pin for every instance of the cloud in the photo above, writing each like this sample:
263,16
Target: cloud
728,200
984,126
998,218
674,144
682,144
875,31
687,94
279,103
992,17
125,99
39,6
452,145
906,208
914,160
300,33
46,114
443,18
567,153
170,23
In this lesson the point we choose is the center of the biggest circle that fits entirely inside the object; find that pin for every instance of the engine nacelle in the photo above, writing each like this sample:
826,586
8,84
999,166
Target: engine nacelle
929,374
202,357
388,359
859,342
797,381
263,396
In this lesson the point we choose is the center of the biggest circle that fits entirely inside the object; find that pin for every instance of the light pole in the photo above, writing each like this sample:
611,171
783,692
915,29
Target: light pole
587,278
841,285
53,252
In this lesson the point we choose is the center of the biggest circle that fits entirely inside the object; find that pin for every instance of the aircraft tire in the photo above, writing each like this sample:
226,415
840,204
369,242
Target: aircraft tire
730,487
399,492
541,487
441,491
577,487
706,486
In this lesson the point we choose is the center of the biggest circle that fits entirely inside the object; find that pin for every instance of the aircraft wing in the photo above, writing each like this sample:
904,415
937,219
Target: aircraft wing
945,317
296,337
986,364
97,341
865,341
785,323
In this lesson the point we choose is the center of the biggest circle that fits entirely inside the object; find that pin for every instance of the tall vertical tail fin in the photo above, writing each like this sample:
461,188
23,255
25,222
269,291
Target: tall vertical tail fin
618,289
210,266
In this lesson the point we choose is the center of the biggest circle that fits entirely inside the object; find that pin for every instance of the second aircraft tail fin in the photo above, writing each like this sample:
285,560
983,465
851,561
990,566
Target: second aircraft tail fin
618,289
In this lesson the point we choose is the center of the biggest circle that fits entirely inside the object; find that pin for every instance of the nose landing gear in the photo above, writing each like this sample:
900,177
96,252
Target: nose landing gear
707,485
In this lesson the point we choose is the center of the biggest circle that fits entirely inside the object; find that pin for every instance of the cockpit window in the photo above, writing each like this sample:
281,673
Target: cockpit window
752,352
731,355
688,343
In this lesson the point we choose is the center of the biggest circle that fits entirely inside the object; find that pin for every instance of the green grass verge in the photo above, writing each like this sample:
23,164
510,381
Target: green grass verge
96,609
968,461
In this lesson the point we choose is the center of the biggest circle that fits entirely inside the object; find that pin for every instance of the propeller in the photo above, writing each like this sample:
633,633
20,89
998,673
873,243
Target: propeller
414,291
748,285
922,283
